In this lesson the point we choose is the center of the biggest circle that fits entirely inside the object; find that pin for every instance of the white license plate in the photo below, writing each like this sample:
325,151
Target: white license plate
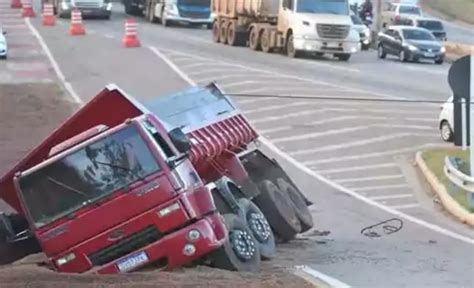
333,45
132,261
429,54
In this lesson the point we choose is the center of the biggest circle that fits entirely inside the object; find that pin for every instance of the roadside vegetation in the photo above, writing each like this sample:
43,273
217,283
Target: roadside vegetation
435,161
456,9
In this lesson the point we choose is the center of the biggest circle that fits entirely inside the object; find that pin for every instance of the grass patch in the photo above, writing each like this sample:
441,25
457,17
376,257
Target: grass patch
456,9
435,161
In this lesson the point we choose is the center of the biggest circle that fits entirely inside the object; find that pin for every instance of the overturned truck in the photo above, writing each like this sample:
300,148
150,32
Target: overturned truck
122,185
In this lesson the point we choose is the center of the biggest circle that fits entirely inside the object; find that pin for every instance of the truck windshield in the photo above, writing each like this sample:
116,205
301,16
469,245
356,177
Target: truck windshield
87,175
191,109
338,7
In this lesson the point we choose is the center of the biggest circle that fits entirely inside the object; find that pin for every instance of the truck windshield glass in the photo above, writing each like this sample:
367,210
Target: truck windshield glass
192,108
404,9
414,34
339,7
87,175
356,20
430,25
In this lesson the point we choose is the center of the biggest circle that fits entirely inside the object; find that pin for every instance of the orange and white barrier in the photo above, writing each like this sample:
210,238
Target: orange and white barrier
27,10
48,15
15,4
76,27
130,40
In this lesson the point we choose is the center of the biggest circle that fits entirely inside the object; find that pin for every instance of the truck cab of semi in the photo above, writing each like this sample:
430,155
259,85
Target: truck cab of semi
321,26
88,8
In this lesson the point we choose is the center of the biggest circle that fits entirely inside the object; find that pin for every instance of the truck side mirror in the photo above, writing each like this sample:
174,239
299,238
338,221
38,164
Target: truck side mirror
180,140
286,3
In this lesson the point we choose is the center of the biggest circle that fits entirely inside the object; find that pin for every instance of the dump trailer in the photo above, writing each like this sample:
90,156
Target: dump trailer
295,27
163,183
169,12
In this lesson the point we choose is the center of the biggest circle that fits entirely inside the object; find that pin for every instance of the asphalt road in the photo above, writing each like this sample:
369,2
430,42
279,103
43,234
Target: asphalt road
360,147
457,32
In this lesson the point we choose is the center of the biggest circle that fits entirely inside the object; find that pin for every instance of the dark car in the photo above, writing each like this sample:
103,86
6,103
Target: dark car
410,44
435,26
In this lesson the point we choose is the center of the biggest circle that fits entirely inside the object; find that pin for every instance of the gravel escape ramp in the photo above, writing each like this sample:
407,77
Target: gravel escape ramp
28,112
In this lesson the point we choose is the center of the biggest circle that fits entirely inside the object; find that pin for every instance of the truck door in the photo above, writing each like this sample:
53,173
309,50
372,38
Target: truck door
284,15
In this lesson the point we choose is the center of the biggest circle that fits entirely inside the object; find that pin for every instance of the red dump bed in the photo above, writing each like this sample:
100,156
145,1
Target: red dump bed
211,121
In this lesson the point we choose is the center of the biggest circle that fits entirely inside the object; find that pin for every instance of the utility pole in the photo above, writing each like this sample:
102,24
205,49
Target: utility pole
378,13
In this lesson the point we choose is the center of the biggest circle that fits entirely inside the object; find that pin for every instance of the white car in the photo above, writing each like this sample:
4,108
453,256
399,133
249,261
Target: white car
3,45
446,120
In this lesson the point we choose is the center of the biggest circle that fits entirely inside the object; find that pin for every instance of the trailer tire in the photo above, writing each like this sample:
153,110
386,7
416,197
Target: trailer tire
254,39
290,48
301,209
216,37
278,209
227,256
223,32
234,38
258,224
265,41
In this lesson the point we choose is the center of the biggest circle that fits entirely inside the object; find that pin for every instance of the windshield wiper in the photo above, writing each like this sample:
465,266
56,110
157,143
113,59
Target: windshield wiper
130,171
64,185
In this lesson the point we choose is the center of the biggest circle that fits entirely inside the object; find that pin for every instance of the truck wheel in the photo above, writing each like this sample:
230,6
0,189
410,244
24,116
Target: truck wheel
290,48
254,39
265,41
163,19
223,32
343,57
301,209
216,31
278,209
234,38
258,224
240,251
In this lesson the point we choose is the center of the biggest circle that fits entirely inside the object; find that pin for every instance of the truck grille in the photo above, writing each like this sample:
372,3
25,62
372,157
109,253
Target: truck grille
194,14
87,4
330,31
125,246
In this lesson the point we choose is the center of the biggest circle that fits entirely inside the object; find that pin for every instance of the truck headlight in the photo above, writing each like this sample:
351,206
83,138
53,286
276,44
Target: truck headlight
65,6
109,6
172,9
443,49
167,210
65,259
310,37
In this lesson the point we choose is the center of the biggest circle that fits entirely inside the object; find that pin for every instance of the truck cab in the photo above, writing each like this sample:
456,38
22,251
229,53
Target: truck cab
88,8
320,26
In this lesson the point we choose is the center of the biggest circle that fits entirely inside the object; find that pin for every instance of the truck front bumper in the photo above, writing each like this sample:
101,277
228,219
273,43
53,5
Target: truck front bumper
201,21
326,46
177,249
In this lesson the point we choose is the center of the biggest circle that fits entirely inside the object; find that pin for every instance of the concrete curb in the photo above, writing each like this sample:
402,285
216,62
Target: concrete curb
448,202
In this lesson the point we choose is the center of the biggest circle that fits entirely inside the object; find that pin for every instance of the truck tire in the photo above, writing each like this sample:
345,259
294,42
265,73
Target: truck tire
223,32
258,224
240,251
299,204
343,57
254,39
265,41
234,38
278,209
290,48
216,34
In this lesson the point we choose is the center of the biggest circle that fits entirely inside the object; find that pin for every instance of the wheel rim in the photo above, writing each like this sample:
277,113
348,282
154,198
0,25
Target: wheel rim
402,55
290,48
230,35
380,51
445,132
242,244
253,39
259,227
215,32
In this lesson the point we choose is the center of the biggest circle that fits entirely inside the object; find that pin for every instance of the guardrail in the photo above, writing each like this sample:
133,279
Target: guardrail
459,178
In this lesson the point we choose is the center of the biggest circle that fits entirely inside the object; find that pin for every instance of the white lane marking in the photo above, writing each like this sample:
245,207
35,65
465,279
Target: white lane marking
391,197
241,83
349,144
407,206
109,36
55,65
317,82
330,281
364,179
198,64
333,184
172,65
320,64
385,111
367,155
204,72
258,99
430,71
286,116
357,168
307,136
237,75
381,187
420,119
414,127
275,107
254,91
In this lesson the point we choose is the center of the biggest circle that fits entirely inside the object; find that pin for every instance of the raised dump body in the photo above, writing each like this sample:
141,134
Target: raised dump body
248,8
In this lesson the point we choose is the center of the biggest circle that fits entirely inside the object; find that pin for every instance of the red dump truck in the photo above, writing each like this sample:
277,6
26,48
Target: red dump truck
122,185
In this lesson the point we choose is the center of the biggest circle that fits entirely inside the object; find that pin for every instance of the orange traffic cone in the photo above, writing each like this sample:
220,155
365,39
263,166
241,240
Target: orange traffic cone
27,10
48,15
15,4
76,27
130,40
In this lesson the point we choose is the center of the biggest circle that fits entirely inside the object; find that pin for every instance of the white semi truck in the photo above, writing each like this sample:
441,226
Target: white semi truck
295,27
